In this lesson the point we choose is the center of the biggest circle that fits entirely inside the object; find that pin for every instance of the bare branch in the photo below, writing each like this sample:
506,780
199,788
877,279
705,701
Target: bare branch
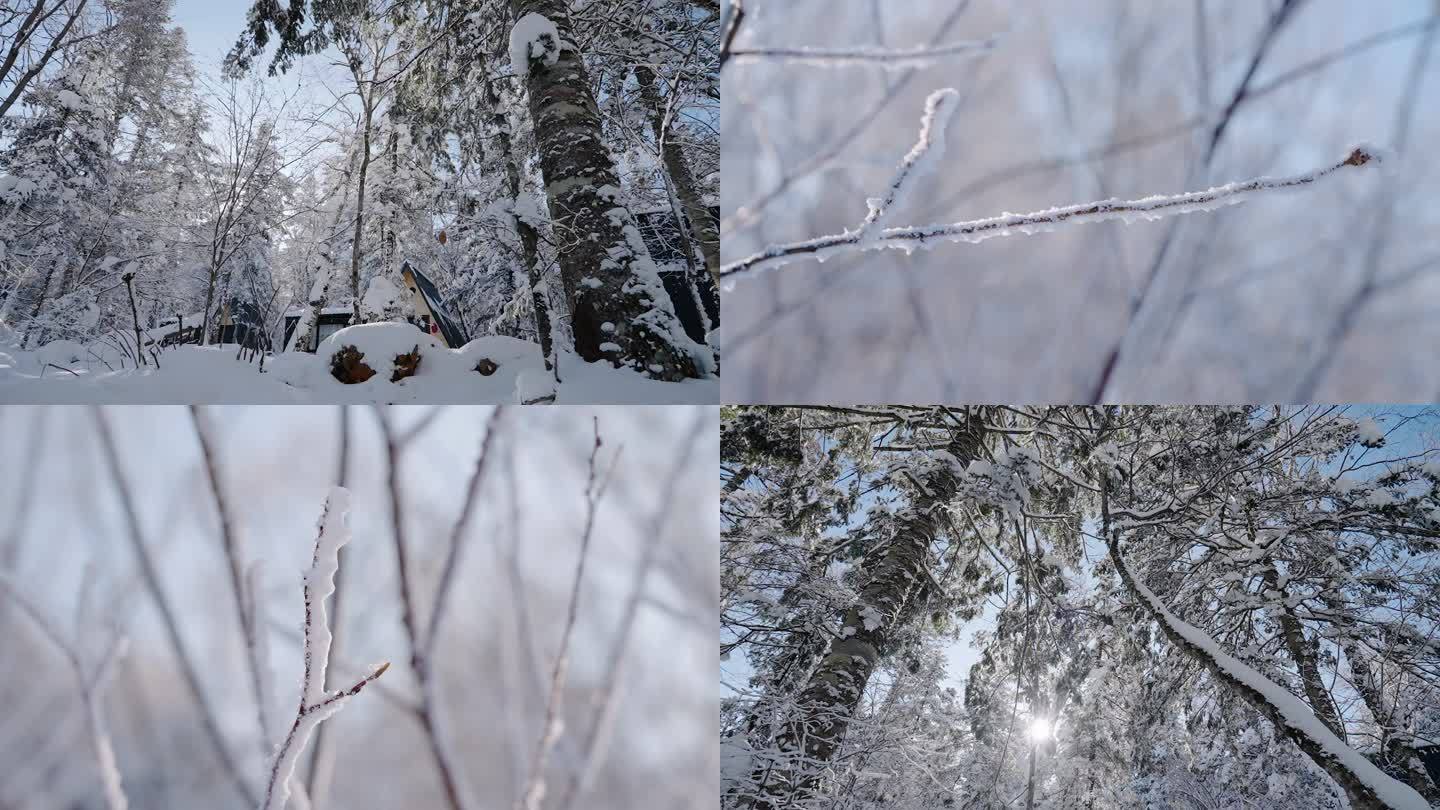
91,682
534,791
895,59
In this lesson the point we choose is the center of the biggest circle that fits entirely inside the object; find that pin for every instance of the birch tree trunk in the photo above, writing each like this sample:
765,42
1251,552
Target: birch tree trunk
621,312
898,579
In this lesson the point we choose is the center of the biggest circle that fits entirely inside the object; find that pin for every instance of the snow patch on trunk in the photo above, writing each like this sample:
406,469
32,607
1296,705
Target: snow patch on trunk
534,36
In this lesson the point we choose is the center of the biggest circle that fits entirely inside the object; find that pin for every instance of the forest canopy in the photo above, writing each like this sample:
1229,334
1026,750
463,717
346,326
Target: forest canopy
1080,607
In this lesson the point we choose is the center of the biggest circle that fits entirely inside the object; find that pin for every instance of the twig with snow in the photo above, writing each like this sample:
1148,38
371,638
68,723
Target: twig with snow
92,681
891,58
916,164
316,704
920,161
534,791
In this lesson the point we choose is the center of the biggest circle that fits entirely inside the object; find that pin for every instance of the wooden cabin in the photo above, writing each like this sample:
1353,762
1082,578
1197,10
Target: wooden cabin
661,233
430,312
241,323
430,316
236,323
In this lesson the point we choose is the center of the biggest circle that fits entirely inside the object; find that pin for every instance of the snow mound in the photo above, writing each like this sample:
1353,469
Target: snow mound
213,374
533,385
533,37
66,353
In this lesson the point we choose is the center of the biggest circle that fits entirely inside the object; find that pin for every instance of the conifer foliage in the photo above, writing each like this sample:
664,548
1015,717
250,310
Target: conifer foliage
1076,607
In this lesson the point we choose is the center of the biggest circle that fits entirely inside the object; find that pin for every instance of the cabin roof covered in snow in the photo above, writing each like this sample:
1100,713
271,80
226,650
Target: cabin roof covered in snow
331,309
450,328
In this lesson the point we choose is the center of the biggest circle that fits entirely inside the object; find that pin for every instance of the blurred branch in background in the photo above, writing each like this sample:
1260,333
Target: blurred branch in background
1288,298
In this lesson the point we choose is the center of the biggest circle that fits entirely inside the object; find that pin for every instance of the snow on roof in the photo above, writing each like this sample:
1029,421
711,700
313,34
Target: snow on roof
453,332
331,309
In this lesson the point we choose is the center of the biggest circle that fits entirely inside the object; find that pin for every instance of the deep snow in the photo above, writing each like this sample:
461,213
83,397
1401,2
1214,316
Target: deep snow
213,374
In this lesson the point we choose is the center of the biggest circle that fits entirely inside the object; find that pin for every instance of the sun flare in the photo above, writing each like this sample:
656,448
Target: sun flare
1040,729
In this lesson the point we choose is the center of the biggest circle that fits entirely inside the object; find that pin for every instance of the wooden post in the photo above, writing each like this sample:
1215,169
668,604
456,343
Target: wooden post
134,315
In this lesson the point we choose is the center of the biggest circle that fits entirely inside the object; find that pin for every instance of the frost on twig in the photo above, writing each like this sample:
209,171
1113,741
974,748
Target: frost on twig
921,160
316,705
890,58
92,681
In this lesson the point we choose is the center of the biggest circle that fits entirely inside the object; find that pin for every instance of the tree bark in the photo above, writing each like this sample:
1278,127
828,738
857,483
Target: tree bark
1302,653
1360,794
702,219
824,708
360,205
529,240
1396,748
621,313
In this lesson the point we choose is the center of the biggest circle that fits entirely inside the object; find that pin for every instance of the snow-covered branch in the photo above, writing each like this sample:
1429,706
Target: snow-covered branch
890,58
316,705
920,161
927,236
1366,785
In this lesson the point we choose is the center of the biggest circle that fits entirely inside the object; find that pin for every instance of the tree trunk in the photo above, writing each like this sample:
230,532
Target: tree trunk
360,207
529,240
702,219
887,601
1302,653
35,336
621,312
1395,747
1361,795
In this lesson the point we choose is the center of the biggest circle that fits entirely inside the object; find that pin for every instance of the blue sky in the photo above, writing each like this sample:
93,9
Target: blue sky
211,27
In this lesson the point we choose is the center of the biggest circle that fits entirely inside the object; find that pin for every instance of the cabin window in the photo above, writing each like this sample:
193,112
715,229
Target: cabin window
325,330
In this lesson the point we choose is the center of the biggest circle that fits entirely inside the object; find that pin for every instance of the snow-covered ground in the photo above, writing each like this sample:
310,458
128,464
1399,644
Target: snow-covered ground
69,373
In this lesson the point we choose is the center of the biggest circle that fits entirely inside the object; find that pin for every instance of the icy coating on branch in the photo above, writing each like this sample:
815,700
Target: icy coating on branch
1296,714
316,705
1129,211
920,161
890,59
